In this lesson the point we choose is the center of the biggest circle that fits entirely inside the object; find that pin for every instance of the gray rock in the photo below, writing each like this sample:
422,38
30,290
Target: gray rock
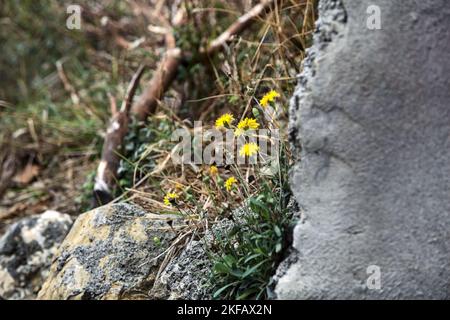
370,125
187,276
112,252
26,251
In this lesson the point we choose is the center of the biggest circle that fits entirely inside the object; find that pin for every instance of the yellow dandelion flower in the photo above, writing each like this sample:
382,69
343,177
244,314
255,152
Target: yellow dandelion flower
230,183
213,170
170,198
268,97
242,124
224,120
252,124
246,124
249,149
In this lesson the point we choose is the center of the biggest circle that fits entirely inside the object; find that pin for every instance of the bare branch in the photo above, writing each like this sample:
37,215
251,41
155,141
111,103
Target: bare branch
237,27
163,76
158,85
105,179
131,90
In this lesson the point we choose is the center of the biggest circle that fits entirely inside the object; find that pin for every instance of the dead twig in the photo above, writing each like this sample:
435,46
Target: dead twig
117,129
67,85
160,82
163,76
237,27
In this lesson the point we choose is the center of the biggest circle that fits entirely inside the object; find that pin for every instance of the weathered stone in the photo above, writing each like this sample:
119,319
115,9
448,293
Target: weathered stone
187,276
26,251
371,117
112,252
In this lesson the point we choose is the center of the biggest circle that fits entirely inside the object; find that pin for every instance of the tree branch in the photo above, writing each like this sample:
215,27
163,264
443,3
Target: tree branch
105,178
237,27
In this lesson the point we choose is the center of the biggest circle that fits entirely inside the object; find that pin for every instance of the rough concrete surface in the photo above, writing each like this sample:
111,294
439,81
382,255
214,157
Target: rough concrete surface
370,124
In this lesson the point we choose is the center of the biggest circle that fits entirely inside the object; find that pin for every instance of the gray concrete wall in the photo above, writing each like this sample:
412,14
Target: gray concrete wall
370,123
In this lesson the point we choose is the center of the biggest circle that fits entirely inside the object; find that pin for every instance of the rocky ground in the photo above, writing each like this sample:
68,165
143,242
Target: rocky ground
117,251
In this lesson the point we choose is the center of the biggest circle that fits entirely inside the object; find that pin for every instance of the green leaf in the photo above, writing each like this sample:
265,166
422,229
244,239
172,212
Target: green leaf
218,292
221,268
229,260
257,206
277,230
278,247
237,273
253,269
246,293
250,258
255,112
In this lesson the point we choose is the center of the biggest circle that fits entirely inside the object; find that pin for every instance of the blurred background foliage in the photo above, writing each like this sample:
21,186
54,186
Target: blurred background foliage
56,87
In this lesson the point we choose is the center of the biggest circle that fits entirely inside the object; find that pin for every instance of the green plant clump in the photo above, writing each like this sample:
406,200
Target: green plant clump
247,256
